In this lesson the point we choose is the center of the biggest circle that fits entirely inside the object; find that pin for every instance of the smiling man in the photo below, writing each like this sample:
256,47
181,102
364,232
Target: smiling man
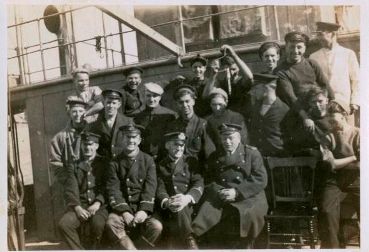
269,53
131,185
84,194
108,123
154,118
91,95
133,92
298,75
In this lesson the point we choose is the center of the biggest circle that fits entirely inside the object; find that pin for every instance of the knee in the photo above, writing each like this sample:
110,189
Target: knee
156,226
65,223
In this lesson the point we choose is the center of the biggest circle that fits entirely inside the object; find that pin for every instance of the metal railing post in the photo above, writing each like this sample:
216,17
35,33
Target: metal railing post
41,49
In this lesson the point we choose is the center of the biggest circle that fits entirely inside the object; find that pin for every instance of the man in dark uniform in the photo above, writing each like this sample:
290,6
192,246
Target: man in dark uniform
108,123
154,119
84,195
221,114
133,101
267,113
131,186
180,186
235,198
198,82
297,75
198,144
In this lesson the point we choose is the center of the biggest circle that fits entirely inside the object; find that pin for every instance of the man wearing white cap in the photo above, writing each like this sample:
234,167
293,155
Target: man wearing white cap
154,118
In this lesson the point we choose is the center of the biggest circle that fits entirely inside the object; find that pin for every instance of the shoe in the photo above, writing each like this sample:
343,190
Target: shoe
191,243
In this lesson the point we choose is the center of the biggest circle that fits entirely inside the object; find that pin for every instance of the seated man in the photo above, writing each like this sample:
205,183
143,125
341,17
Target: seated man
84,195
342,152
180,186
235,198
154,118
131,187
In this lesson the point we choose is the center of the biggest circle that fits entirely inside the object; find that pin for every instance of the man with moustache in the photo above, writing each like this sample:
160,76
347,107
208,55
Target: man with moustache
108,124
180,187
154,119
90,95
297,75
339,64
131,187
65,145
198,144
85,198
235,199
133,101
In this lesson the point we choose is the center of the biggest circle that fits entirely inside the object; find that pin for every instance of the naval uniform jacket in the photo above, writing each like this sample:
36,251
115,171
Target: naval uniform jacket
198,143
85,183
182,177
265,130
110,139
244,171
131,183
133,101
154,120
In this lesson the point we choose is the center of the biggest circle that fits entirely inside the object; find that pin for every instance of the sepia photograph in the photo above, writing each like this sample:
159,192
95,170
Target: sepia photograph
183,127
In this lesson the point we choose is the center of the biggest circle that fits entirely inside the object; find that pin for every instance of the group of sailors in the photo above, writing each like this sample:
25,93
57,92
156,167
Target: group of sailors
146,166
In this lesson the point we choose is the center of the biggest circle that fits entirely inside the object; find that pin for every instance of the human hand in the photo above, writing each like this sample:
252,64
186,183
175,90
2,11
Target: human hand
228,195
82,213
309,125
353,108
94,207
178,202
140,217
225,48
128,218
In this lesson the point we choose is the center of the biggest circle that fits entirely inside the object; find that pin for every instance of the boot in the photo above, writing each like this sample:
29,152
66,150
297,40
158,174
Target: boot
191,243
126,243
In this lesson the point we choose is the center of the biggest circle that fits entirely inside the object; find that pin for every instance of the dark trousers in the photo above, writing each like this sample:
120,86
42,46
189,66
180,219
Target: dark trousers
176,227
91,230
330,202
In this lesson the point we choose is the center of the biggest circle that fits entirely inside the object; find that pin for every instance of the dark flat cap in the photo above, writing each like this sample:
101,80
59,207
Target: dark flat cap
200,59
90,137
182,88
131,129
131,70
112,93
326,26
296,37
260,78
229,128
175,136
75,101
218,91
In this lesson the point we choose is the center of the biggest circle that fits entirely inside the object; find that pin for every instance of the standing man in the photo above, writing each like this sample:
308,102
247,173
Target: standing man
198,144
339,64
154,119
266,115
198,82
269,53
90,95
237,80
297,75
84,194
133,92
131,186
108,123
235,199
180,186
65,145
